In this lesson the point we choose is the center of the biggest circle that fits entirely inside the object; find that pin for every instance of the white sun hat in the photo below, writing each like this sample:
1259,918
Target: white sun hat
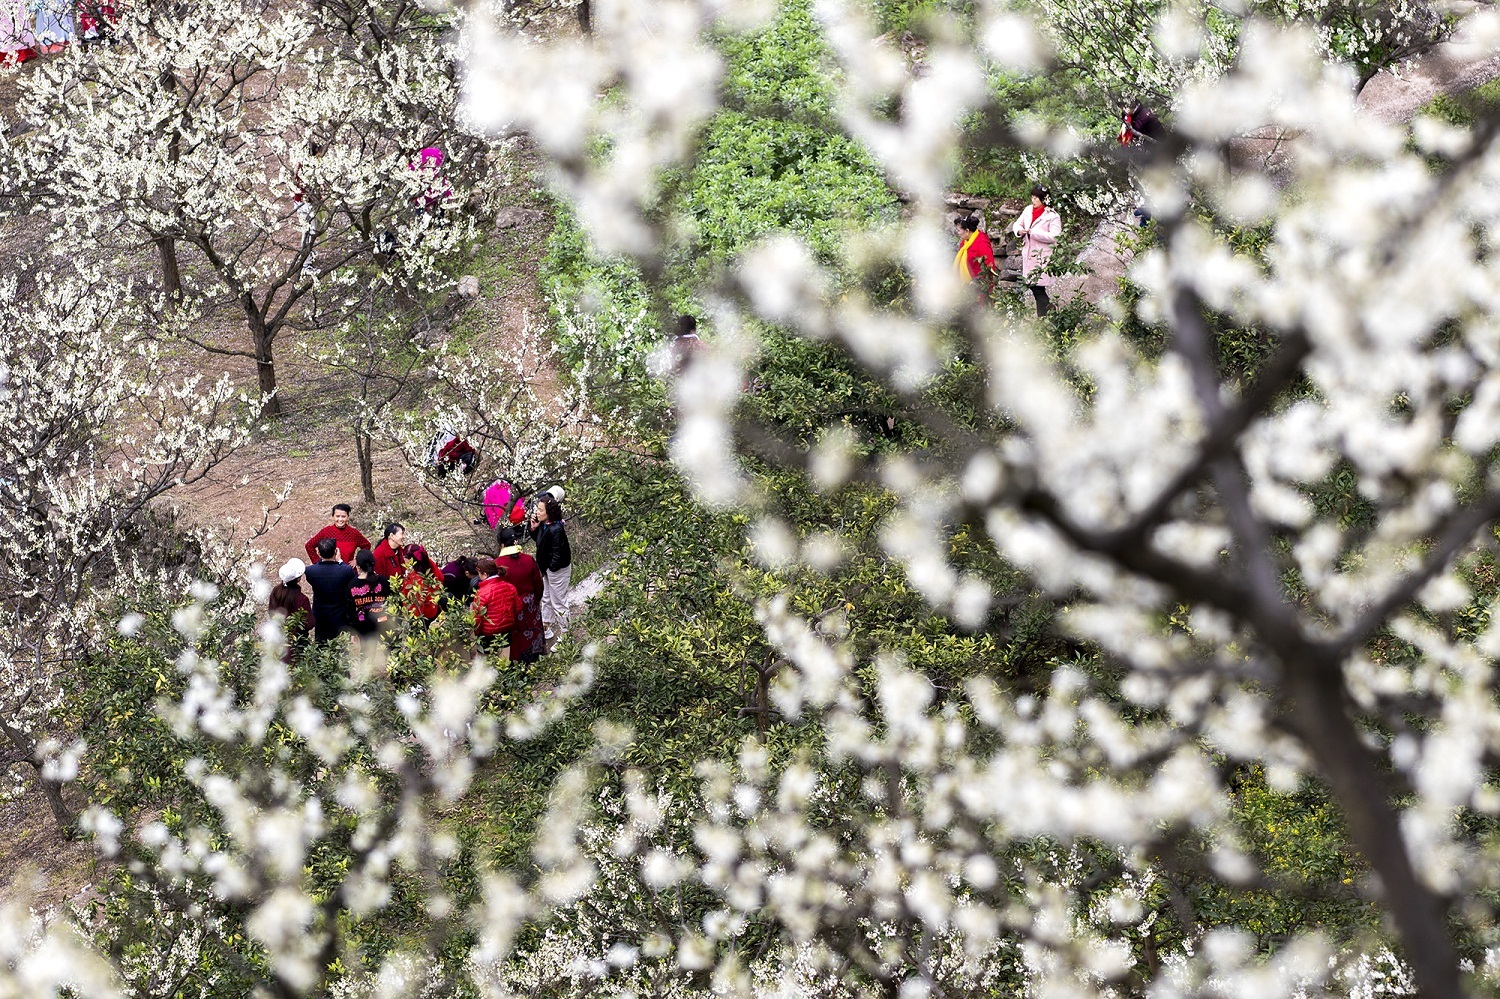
292,570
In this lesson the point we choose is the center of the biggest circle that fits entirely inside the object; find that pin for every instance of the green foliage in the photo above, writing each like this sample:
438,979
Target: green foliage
1467,108
914,15
770,162
1300,841
761,175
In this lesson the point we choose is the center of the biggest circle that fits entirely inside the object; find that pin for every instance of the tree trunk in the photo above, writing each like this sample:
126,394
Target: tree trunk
1321,719
265,371
67,822
171,275
585,17
25,747
364,449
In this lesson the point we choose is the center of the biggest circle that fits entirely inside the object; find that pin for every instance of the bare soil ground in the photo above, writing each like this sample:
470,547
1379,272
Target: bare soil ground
35,858
310,445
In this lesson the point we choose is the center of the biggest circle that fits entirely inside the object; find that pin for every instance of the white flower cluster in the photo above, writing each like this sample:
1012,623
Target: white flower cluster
530,417
266,159
279,778
93,432
1166,485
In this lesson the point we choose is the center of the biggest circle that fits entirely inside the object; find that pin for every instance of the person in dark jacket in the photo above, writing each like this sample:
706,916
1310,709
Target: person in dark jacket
329,579
367,596
555,558
294,608
686,344
1140,123
460,577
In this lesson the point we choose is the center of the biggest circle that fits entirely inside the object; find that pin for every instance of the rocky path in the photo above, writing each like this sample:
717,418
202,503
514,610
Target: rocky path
1452,68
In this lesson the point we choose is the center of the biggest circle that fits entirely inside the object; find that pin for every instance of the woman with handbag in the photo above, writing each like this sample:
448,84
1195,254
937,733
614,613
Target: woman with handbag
555,558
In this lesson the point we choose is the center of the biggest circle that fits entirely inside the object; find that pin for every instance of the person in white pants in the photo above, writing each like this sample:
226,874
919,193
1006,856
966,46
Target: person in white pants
555,558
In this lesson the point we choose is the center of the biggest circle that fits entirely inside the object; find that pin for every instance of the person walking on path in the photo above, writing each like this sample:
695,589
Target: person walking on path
390,553
975,254
555,557
294,608
495,607
345,534
366,598
528,638
1039,227
330,580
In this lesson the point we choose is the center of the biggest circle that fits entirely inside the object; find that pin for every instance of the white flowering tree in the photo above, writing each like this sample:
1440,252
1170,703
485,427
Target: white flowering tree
1277,575
95,432
1370,35
280,153
1158,488
530,419
1119,50
308,811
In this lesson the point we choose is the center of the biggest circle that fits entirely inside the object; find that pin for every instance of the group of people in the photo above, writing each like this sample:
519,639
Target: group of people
348,585
1038,227
29,28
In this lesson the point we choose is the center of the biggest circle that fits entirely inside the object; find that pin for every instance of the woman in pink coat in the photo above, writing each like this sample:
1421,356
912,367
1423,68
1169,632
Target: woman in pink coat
1038,226
502,504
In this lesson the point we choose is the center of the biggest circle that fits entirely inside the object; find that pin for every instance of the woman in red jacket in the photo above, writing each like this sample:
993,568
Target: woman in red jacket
422,587
495,609
975,254
390,556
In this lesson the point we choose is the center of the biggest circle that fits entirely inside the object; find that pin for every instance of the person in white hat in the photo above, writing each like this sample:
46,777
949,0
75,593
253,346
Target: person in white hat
556,492
294,607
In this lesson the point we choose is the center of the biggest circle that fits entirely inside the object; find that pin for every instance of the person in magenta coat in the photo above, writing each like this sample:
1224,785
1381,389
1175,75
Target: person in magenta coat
502,504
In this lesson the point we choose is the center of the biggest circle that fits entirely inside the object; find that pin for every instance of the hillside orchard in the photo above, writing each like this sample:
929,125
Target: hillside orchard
1141,649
